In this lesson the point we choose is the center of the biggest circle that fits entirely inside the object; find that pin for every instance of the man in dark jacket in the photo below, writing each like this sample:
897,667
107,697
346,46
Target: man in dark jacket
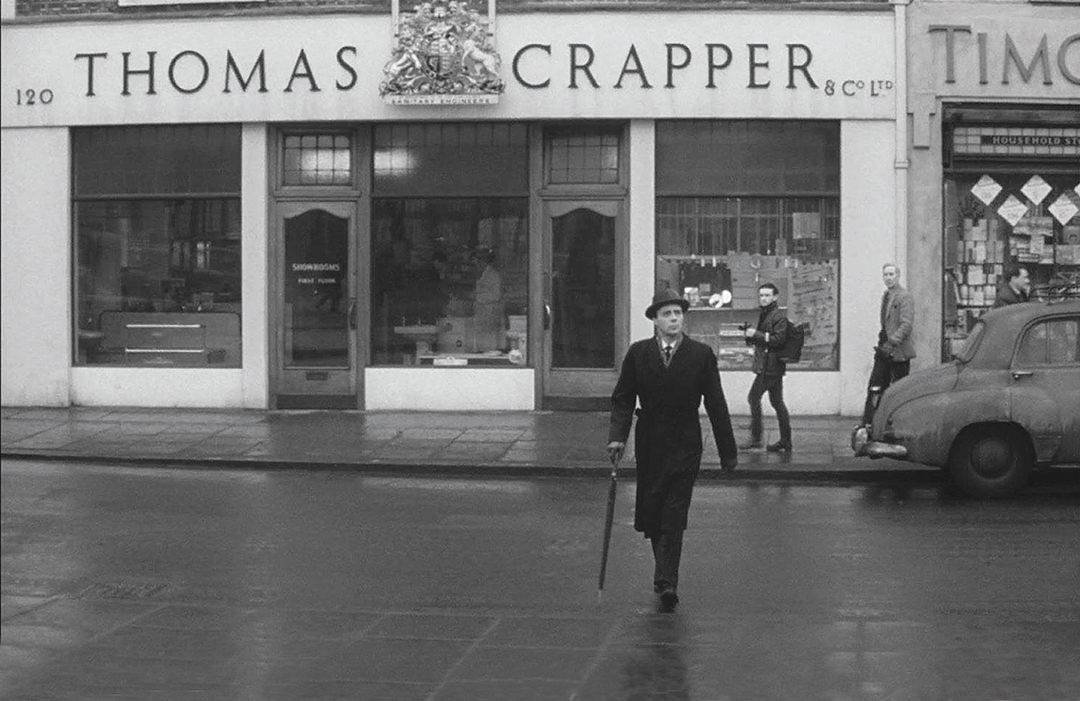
767,338
1015,288
668,374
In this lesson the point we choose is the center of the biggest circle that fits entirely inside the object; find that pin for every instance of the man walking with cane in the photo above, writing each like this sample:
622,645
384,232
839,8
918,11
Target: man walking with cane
668,374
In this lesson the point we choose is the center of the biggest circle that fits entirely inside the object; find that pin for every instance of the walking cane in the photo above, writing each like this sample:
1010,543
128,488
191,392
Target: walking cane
607,525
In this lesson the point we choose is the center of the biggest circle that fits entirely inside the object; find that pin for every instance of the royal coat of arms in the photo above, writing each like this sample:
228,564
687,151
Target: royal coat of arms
444,49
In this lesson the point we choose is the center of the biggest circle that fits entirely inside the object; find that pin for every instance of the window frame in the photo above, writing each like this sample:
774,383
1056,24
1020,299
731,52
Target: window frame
1018,361
77,199
283,191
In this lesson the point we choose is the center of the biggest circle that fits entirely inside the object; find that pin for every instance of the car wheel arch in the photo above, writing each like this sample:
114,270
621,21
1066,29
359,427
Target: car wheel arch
969,480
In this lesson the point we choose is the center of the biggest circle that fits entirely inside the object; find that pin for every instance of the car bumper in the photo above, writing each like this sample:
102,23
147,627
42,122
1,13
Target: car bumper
864,447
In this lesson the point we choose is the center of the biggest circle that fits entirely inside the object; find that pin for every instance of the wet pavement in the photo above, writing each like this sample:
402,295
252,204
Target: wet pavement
120,582
475,443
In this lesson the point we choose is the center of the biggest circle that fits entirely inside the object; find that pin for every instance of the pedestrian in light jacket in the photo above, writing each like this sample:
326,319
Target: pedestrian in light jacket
668,374
896,344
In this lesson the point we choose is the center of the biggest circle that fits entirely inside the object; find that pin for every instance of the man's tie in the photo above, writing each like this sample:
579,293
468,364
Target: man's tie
667,355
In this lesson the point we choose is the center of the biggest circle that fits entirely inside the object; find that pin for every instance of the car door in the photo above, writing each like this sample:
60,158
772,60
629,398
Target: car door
1045,392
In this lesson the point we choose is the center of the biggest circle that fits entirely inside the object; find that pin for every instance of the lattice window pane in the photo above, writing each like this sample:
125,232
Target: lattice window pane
317,159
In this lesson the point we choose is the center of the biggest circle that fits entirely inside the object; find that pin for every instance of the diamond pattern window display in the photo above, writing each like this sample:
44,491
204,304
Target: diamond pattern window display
1012,210
1036,189
986,189
1063,209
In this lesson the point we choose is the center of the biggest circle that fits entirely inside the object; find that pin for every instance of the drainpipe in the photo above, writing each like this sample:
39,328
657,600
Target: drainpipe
901,162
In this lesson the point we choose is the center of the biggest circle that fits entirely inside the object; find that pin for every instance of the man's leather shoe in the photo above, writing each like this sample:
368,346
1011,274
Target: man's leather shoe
779,447
752,445
668,599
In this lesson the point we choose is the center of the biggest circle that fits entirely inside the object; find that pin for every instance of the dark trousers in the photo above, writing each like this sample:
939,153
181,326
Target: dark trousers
774,385
885,372
667,551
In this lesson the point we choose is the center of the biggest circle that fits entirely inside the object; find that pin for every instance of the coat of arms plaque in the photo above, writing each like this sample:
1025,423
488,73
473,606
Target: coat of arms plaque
444,55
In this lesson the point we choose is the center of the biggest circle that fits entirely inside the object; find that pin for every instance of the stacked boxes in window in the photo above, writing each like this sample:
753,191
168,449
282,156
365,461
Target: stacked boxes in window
981,256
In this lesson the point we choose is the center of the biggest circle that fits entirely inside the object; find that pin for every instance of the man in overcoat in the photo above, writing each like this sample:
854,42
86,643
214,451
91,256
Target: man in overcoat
896,345
668,374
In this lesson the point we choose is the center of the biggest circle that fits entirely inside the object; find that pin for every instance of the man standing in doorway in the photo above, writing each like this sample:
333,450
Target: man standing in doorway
1015,289
896,346
767,338
668,374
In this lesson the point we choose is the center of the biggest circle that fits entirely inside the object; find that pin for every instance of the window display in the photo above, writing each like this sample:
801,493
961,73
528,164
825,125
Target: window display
994,220
741,204
449,274
158,276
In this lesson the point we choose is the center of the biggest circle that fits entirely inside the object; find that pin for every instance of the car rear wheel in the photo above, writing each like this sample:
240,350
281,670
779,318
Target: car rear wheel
991,461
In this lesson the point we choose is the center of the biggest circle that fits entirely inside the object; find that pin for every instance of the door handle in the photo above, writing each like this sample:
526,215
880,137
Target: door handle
352,313
547,316
1017,374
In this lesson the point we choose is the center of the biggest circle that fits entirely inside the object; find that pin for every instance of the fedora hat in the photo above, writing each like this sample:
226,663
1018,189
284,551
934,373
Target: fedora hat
663,298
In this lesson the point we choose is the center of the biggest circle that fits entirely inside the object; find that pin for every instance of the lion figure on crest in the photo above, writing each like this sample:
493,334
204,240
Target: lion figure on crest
478,63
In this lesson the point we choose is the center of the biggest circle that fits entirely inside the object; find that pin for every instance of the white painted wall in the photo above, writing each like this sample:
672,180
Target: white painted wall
449,389
642,224
36,274
156,387
869,240
255,245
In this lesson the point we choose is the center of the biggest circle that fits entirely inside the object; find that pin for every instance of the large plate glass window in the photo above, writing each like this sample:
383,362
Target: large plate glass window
157,245
743,203
449,264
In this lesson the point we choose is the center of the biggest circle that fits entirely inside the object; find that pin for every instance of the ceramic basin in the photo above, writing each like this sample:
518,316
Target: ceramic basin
423,335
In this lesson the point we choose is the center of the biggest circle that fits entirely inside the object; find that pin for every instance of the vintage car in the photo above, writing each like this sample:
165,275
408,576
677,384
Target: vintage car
1008,402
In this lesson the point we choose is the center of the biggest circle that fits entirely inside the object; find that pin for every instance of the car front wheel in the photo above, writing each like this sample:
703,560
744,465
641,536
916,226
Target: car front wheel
991,461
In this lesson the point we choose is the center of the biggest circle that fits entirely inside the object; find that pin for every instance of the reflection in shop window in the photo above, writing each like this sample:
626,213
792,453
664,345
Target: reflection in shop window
741,204
158,277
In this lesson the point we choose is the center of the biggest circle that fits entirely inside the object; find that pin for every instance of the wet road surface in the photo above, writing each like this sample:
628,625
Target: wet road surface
122,583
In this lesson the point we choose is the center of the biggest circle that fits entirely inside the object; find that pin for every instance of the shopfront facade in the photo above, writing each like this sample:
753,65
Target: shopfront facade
240,213
994,96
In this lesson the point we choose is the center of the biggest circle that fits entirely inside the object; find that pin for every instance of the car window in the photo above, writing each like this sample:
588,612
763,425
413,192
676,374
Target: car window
1052,342
1063,345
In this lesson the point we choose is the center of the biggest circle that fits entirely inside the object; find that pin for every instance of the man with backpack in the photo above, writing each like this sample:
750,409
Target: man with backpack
768,338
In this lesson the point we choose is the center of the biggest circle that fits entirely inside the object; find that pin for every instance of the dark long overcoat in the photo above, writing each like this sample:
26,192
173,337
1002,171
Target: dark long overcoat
667,439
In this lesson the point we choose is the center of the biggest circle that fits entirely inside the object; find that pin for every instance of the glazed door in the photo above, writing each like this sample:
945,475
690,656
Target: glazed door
315,363
584,331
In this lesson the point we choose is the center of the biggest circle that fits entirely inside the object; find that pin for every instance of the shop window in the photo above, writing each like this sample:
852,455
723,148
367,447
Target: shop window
317,159
582,156
157,246
449,263
994,219
743,203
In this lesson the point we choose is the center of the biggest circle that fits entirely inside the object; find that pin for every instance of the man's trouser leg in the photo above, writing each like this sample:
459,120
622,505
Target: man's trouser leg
757,390
667,551
879,380
776,398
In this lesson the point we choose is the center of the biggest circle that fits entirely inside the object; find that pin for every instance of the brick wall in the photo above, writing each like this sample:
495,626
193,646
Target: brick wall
72,9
